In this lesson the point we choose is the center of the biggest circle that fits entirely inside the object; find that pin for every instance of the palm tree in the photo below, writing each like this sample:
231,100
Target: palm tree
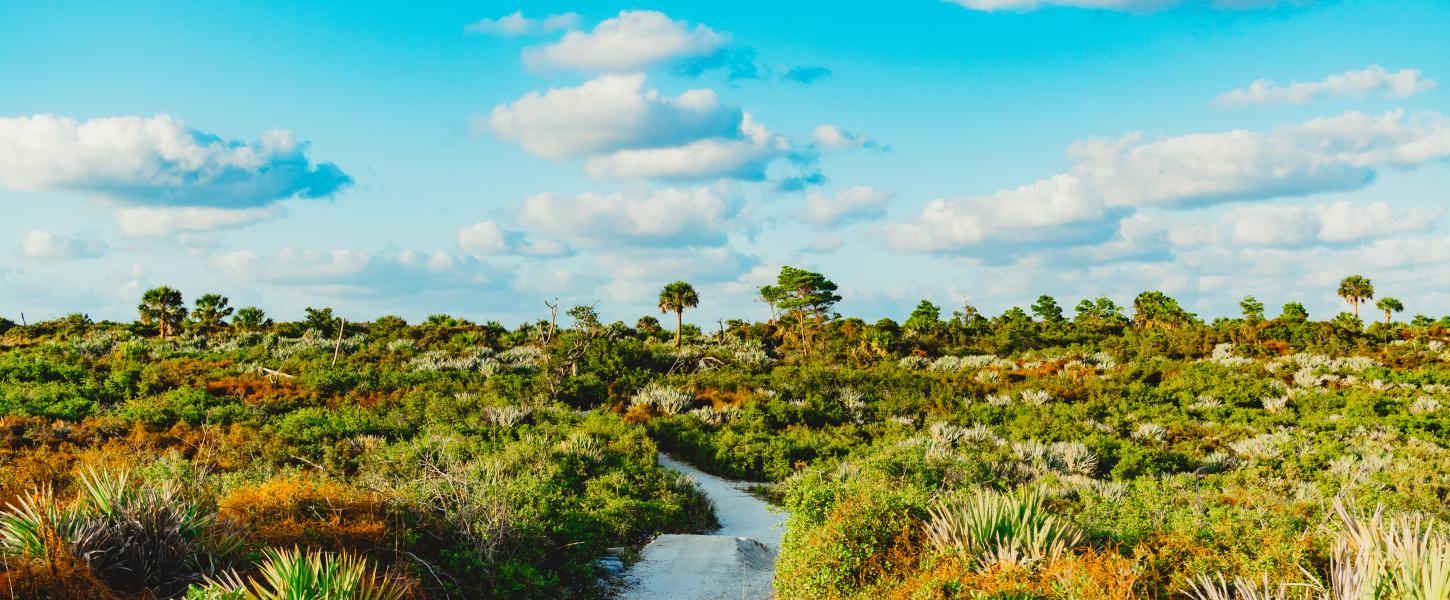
1390,306
250,318
676,297
210,311
1356,289
162,307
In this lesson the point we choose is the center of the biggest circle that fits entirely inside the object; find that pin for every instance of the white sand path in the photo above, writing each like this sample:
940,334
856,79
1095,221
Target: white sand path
735,563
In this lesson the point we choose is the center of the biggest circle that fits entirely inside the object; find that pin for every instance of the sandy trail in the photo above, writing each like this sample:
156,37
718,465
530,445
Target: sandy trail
735,563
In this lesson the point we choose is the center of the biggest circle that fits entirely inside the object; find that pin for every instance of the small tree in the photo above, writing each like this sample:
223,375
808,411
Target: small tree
1154,308
806,297
1253,309
211,313
772,296
925,318
320,319
1389,306
1356,289
162,307
676,297
250,318
1047,309
1293,312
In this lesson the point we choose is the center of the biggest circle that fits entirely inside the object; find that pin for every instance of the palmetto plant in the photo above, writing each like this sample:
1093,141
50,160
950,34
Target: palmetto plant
1405,557
307,575
675,298
135,539
1389,306
1356,289
26,524
668,400
990,528
211,310
162,307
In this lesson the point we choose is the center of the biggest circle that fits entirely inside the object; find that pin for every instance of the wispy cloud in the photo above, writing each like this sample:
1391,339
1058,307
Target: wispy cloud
1360,83
516,24
44,245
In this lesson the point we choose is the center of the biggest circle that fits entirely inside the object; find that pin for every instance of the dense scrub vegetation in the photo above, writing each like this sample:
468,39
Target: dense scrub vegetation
1121,453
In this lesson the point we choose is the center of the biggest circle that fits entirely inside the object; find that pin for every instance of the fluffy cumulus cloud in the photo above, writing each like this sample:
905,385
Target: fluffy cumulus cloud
359,273
159,161
488,238
1318,155
44,245
1400,84
623,130
613,112
747,156
1135,6
516,24
1112,177
857,203
657,218
631,41
1339,222
1054,209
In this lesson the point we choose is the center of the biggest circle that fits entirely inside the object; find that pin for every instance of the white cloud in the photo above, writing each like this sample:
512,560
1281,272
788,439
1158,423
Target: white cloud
1320,155
857,203
698,265
488,238
1266,225
157,222
657,218
825,244
746,157
158,161
1056,209
624,131
482,238
516,24
634,40
358,273
44,245
834,138
1135,6
612,112
1400,84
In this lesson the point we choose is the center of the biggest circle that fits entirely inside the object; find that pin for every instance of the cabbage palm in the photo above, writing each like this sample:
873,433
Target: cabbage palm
163,308
250,318
676,297
210,311
1356,289
1390,306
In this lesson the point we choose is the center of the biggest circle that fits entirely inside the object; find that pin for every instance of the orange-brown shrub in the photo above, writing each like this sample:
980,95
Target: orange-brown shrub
293,511
724,399
261,391
58,575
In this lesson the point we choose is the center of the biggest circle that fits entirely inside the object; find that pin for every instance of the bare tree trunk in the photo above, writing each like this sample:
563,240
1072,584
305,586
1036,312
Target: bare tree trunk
679,329
337,348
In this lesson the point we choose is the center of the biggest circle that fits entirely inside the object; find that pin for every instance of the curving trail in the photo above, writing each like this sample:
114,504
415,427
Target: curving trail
735,563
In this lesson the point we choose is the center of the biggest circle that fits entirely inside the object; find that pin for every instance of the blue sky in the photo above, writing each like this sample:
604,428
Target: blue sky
389,158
